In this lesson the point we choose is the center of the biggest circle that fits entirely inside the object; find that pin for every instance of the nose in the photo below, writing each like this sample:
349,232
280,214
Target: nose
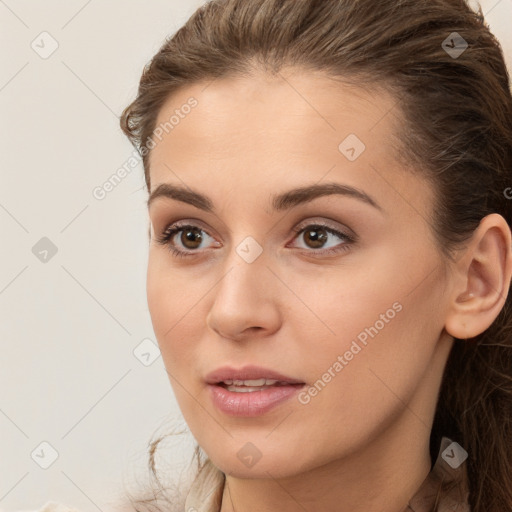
246,301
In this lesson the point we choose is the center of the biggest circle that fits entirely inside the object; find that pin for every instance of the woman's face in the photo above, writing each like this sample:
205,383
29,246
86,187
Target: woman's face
353,308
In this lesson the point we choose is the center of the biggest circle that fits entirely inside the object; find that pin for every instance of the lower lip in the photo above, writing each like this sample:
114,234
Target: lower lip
252,403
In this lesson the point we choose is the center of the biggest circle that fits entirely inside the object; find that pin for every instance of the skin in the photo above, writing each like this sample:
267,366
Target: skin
362,443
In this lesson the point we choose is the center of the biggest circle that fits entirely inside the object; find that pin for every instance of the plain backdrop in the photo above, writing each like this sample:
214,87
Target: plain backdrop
83,388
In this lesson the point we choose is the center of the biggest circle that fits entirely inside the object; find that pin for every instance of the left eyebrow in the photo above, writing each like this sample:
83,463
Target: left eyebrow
283,201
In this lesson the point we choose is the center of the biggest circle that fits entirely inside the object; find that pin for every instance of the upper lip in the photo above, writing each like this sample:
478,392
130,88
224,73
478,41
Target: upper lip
250,372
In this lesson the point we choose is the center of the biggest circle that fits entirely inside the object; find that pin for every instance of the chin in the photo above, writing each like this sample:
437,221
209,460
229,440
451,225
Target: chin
274,465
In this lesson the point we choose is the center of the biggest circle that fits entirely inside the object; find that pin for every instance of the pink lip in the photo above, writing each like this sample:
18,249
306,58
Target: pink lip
251,403
247,373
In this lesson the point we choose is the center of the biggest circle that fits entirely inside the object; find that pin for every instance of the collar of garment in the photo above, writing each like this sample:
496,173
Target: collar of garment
444,490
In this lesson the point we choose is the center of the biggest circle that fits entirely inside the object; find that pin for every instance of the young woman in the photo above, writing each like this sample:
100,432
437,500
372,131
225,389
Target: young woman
330,187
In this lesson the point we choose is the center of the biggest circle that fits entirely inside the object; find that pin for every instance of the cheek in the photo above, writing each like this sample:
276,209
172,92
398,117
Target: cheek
174,307
379,328
336,305
358,388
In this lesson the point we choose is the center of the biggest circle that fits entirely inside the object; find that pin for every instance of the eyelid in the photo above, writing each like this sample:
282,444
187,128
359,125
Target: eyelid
345,230
344,233
333,225
191,222
179,225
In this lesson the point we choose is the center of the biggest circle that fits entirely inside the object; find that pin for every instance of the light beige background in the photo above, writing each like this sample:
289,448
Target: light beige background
72,374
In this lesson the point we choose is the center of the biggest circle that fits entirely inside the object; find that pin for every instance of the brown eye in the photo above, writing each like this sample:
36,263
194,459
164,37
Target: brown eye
189,241
320,237
315,237
191,236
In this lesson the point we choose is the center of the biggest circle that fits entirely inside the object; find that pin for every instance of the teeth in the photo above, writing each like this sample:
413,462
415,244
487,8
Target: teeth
246,389
253,383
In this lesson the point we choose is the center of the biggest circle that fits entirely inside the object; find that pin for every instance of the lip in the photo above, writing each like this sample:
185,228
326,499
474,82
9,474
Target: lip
248,372
251,403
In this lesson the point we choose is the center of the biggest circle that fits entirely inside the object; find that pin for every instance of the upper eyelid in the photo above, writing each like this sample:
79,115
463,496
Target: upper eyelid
325,223
181,224
345,232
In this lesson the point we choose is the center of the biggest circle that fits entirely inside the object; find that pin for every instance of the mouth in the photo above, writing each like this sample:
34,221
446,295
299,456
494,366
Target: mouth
252,385
249,378
251,397
251,390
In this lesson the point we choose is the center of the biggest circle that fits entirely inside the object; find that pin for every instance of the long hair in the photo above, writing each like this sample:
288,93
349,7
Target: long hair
456,131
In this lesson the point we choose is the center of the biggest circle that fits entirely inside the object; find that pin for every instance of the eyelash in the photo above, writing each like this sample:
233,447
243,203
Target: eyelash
172,230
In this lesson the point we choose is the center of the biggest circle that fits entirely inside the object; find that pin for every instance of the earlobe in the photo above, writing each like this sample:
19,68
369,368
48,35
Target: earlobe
486,269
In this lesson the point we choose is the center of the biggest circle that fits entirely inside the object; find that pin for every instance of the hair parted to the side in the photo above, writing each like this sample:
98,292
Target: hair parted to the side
456,131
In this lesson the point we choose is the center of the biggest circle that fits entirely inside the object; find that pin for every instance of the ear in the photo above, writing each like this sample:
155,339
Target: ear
483,279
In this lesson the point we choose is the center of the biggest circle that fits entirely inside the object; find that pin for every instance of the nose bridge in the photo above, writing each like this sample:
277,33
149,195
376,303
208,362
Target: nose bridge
246,267
244,297
247,239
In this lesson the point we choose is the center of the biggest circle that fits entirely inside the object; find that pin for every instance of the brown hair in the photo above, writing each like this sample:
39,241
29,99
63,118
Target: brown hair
456,129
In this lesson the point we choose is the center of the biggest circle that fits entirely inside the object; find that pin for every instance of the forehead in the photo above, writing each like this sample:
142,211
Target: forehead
266,103
293,111
279,132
